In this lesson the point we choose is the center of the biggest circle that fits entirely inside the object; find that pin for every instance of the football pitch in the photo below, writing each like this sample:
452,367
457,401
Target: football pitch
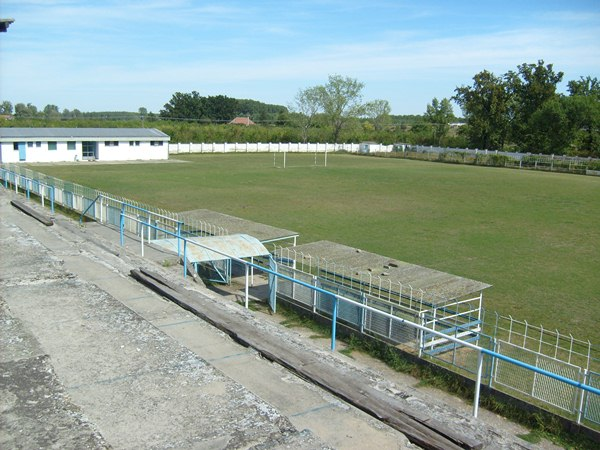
535,236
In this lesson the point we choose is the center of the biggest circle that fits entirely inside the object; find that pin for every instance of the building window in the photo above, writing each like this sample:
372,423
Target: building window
134,143
71,145
51,145
30,144
38,144
15,146
156,143
111,143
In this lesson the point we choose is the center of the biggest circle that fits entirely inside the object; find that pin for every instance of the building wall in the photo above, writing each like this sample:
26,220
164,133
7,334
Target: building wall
39,151
133,150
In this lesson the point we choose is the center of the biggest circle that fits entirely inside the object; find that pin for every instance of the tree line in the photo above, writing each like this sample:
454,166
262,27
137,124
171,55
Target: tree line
520,110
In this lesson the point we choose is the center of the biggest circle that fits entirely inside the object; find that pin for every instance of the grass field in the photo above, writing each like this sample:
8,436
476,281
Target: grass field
535,236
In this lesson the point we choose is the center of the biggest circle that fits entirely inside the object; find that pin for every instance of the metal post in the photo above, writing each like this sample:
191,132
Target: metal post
246,291
122,225
185,258
334,323
52,199
142,237
478,383
178,239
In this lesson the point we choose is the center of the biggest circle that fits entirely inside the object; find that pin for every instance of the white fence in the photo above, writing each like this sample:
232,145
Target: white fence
255,147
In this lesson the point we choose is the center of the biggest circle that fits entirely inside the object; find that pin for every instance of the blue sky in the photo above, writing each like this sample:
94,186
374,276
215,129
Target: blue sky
125,54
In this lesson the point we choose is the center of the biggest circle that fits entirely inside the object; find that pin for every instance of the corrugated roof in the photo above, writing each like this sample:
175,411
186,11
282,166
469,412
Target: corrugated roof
81,133
237,245
437,285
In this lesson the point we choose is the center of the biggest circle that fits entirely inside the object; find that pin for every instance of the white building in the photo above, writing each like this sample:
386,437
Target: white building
79,144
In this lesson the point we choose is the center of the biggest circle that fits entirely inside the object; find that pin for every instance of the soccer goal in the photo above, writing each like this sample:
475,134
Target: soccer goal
288,160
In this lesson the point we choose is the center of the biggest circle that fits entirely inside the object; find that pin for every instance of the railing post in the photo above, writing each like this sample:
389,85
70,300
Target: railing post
122,225
142,236
246,290
185,258
178,239
334,323
478,383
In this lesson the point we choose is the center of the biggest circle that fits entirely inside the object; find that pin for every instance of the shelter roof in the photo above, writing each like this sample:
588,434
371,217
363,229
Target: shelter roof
264,233
237,245
435,283
81,133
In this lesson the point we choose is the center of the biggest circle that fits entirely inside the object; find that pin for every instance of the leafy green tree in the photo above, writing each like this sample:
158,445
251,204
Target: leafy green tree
341,101
220,108
550,127
583,112
6,107
306,106
485,106
531,86
587,87
184,106
439,114
51,112
22,110
379,113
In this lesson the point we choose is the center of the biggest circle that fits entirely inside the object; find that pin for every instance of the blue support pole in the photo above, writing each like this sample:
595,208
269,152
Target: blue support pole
334,323
52,199
178,238
122,226
185,258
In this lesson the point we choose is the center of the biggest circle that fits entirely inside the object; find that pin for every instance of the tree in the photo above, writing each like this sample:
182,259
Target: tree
25,111
341,100
6,107
439,114
485,106
184,106
587,87
307,105
583,112
220,108
51,112
531,86
379,113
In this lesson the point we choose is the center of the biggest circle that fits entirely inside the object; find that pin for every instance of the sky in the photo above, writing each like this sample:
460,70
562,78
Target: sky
120,55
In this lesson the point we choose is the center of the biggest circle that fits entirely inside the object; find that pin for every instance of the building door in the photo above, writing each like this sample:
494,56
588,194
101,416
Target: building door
89,150
22,151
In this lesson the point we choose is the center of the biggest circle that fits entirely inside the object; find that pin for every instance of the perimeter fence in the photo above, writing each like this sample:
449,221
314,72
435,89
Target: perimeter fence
398,315
496,158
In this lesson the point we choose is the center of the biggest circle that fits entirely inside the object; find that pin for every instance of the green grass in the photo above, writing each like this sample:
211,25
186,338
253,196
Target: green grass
535,236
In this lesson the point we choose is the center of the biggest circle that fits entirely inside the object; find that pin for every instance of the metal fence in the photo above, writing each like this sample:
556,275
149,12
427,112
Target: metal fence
106,208
545,349
552,163
547,359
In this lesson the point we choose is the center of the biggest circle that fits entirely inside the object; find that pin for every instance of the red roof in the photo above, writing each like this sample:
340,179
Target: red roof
242,121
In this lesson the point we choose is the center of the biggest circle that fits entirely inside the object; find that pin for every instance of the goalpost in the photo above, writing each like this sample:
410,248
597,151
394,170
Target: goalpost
285,159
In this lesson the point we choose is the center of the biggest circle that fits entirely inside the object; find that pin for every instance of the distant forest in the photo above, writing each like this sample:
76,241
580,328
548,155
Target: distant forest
274,123
519,110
